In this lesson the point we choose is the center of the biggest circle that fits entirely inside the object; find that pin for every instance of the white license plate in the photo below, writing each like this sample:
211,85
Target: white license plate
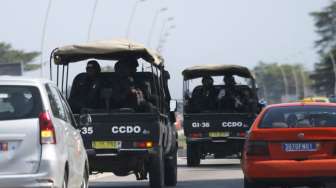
299,147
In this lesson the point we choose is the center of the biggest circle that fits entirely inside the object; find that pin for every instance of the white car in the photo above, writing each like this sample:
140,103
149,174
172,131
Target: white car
40,144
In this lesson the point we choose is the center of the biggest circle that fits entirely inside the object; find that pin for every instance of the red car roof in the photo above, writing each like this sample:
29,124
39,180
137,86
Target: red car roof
301,104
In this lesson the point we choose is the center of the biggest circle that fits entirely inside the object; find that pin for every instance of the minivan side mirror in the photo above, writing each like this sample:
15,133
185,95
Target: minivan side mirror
85,119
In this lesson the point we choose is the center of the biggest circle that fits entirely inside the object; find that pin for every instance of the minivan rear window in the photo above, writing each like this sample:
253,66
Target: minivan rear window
299,117
19,102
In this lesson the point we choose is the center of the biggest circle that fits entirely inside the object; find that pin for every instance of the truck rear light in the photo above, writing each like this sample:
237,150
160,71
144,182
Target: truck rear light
196,135
47,130
241,134
144,144
256,148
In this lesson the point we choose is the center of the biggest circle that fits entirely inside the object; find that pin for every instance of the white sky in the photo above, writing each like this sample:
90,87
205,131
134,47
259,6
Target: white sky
207,31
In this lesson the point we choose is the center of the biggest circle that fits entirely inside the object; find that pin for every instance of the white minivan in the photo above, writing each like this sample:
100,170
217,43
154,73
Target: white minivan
40,144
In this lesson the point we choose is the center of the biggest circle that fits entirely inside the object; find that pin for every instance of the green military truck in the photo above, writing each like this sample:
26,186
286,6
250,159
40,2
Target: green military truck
123,140
218,130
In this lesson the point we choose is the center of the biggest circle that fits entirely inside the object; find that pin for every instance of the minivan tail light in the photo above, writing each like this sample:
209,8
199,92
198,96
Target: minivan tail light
47,130
256,148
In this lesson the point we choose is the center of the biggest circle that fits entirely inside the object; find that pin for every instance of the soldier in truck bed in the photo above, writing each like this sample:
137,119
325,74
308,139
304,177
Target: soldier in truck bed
233,99
127,95
204,98
85,92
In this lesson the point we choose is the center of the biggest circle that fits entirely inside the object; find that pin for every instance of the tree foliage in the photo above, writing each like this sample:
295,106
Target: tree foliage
323,76
325,23
274,80
108,69
10,55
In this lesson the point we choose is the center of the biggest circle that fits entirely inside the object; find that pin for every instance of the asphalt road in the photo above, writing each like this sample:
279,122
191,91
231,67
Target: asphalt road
211,174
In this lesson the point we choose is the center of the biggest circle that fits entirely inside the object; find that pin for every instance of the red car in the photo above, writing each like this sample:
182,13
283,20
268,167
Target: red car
291,144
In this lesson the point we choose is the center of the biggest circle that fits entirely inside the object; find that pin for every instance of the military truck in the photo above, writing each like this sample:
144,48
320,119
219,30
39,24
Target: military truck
216,125
118,139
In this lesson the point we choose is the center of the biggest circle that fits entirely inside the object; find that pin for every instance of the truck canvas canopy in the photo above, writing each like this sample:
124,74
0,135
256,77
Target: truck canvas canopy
105,50
114,50
215,70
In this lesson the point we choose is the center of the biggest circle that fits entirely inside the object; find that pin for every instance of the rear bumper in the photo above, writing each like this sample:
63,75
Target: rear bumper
220,147
41,180
296,181
287,169
216,140
92,153
122,160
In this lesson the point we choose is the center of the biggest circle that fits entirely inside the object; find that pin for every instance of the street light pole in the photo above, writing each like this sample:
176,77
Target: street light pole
296,82
283,74
153,24
162,39
132,17
264,84
164,23
92,19
304,92
44,28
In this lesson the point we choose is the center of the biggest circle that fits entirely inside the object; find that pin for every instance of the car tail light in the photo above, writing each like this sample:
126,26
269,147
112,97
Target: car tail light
144,144
196,135
47,130
256,148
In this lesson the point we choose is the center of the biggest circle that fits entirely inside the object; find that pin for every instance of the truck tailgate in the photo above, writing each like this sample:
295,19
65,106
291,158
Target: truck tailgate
204,123
124,128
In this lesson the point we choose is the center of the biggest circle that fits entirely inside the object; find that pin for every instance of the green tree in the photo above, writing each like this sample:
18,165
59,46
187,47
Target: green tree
107,69
273,83
325,23
10,55
323,76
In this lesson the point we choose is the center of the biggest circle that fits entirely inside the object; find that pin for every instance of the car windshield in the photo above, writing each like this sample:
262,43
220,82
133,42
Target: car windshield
19,102
299,117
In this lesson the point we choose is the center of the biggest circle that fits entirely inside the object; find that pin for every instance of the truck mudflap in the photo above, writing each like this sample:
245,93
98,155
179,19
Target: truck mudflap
219,125
118,133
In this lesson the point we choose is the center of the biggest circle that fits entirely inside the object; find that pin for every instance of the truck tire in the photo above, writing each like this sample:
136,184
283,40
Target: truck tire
156,170
193,155
171,170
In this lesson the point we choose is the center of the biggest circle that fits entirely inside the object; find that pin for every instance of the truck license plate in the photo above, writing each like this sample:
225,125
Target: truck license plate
106,144
218,134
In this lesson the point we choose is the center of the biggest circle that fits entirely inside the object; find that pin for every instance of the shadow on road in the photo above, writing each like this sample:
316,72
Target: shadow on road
224,183
226,166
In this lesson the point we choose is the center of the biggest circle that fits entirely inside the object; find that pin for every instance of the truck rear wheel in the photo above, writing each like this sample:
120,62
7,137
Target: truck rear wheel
193,154
156,170
171,170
